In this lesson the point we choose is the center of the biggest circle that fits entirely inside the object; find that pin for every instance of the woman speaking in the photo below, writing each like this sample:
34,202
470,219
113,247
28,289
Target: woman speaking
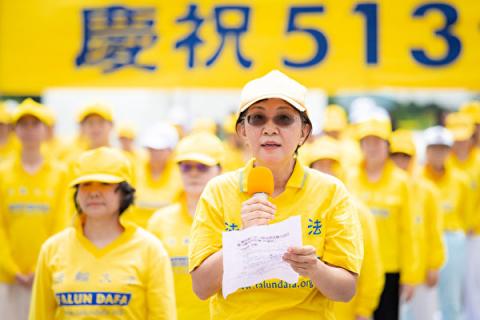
273,122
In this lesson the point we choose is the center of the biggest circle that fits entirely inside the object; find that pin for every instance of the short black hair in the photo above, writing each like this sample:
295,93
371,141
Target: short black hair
127,197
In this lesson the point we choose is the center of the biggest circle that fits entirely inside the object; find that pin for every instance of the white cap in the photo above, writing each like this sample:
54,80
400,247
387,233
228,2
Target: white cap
160,136
274,84
361,109
438,135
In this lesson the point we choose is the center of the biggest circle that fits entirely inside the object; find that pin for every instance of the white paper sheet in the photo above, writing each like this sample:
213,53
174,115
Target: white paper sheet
255,254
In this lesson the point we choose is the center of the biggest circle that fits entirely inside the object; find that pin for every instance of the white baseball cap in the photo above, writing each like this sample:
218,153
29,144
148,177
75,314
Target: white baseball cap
438,135
274,84
160,136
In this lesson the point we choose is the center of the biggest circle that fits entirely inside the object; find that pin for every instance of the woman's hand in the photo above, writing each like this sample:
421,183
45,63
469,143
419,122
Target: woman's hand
432,278
303,260
333,282
256,212
25,280
406,292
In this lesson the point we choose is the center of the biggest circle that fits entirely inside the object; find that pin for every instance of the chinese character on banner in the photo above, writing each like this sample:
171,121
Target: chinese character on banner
314,227
231,227
114,36
225,32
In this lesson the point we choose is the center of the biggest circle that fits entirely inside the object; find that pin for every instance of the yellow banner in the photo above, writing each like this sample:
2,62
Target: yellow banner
328,44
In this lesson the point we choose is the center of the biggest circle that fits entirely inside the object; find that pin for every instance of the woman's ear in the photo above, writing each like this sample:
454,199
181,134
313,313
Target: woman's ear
241,130
306,130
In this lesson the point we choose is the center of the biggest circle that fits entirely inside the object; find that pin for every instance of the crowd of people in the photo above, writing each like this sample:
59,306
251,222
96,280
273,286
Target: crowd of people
133,229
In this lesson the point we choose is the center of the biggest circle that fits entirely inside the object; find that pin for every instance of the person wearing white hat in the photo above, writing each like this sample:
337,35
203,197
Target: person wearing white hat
158,177
455,207
274,122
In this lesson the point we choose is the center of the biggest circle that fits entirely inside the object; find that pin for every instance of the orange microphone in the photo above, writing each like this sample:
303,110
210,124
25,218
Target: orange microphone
260,182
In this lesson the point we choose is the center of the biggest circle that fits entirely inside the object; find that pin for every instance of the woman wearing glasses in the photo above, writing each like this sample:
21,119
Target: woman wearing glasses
103,267
200,157
274,123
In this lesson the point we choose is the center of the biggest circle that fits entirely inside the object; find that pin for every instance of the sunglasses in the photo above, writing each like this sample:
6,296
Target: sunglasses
187,167
260,119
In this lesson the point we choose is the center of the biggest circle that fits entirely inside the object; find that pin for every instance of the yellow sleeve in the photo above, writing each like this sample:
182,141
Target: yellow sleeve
471,210
43,304
434,230
466,209
154,224
160,288
371,280
343,238
409,265
8,264
207,228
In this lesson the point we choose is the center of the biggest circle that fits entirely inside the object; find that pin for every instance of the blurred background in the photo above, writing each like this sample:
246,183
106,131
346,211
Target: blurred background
177,61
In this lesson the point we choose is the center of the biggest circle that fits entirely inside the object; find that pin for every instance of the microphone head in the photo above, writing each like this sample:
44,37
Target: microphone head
260,180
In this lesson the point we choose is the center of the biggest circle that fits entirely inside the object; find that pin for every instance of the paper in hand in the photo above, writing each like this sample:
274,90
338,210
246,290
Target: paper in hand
255,254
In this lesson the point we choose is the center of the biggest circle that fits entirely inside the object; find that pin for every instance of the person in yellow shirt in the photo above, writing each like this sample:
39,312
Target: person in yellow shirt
32,200
274,122
465,156
325,157
95,127
8,141
158,178
472,294
428,229
96,121
385,189
200,157
103,267
455,206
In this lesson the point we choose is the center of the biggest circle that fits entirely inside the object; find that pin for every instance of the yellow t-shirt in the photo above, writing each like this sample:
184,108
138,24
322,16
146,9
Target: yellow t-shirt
32,208
130,278
153,194
455,196
329,223
10,148
390,201
57,148
371,279
428,227
471,168
172,226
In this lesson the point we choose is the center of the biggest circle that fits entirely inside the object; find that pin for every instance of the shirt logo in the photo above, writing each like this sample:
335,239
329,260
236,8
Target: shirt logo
380,212
58,277
131,280
171,241
231,226
106,278
82,276
93,298
314,227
